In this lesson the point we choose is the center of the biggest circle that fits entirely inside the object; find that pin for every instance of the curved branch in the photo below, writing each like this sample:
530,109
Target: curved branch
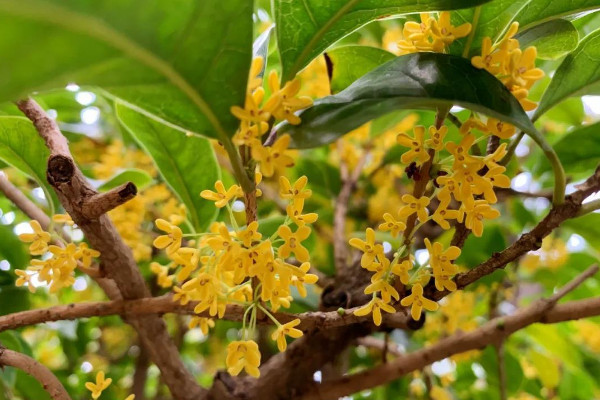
49,382
493,332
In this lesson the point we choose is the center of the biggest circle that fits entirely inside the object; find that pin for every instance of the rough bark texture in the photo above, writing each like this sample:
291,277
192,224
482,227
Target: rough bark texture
83,203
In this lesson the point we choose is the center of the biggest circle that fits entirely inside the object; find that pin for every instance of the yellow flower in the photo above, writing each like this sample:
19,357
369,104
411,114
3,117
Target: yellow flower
472,183
418,302
303,277
203,323
296,191
489,59
414,205
294,211
255,80
24,278
417,146
63,219
251,112
472,123
39,238
440,259
392,225
283,102
286,330
386,290
374,307
474,219
500,129
442,214
461,152
444,33
130,397
401,270
370,249
100,385
250,234
293,242
221,197
243,354
172,240
437,138
85,254
273,157
450,187
523,70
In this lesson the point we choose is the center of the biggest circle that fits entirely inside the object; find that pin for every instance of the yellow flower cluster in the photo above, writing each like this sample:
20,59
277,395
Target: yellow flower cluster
220,269
256,118
466,185
513,66
430,34
57,270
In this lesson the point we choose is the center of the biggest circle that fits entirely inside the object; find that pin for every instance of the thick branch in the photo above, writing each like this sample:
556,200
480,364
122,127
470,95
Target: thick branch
102,203
76,194
49,382
161,305
493,332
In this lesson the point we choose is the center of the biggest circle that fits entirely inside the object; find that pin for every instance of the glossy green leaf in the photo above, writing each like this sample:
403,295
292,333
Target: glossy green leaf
348,63
414,81
23,148
553,39
305,28
139,178
578,75
158,55
187,163
497,15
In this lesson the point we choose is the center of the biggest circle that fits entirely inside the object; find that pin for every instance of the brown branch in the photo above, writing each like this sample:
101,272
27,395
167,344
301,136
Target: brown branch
22,202
492,332
74,192
140,375
102,203
384,346
349,180
310,321
42,374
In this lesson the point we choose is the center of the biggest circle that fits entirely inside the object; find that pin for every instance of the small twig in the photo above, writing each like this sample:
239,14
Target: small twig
102,203
454,119
349,180
42,374
22,202
589,207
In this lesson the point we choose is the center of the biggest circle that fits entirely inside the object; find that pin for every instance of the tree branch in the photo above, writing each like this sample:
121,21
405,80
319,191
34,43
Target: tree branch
49,382
22,202
492,332
77,197
102,203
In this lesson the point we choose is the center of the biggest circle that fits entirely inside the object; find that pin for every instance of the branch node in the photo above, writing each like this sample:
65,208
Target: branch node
60,169
102,203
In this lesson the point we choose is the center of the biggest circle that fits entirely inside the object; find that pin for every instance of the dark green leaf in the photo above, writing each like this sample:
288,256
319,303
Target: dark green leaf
185,63
553,39
579,74
24,149
186,162
348,63
306,28
417,81
140,179
13,299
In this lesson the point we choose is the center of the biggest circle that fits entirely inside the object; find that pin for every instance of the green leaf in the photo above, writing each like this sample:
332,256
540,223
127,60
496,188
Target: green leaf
553,39
579,74
348,63
579,150
305,28
187,163
22,148
163,57
140,179
417,81
547,369
497,15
